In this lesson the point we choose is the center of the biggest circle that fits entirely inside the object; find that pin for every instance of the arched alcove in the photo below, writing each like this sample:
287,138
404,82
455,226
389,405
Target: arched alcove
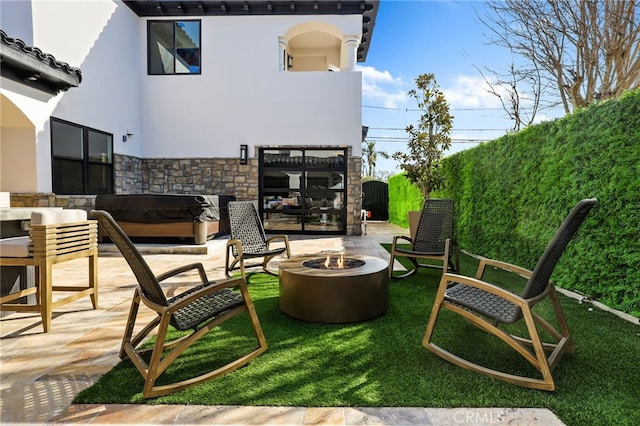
17,149
314,46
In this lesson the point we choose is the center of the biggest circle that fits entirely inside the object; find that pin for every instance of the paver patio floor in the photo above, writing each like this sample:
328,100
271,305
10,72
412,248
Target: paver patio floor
40,373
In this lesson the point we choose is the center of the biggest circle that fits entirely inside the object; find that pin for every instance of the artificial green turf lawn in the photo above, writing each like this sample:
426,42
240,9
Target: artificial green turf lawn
382,362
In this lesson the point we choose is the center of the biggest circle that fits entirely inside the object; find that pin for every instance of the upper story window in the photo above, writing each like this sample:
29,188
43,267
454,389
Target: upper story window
173,47
82,159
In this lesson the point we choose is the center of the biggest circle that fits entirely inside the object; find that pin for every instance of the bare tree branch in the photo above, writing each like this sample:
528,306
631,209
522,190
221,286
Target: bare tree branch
588,49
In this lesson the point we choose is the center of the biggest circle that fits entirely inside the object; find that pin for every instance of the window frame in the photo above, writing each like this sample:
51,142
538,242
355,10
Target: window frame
86,162
150,22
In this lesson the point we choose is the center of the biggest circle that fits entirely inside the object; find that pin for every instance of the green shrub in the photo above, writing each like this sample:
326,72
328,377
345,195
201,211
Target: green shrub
511,195
403,197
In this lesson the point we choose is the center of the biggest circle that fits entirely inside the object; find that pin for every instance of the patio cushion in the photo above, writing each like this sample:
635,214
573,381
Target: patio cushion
14,247
49,217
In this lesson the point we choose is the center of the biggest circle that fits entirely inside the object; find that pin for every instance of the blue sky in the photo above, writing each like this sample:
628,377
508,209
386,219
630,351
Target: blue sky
446,38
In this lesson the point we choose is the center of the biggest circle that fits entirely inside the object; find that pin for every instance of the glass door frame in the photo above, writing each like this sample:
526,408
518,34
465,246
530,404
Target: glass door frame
307,193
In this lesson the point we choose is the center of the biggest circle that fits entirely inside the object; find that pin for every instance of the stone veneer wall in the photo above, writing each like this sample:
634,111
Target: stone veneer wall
49,199
192,176
201,176
128,174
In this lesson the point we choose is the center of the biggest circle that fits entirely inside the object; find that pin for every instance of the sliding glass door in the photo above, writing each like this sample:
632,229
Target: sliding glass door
303,190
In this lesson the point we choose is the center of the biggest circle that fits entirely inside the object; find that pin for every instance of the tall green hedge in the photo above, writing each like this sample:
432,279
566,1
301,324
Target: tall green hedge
511,194
403,197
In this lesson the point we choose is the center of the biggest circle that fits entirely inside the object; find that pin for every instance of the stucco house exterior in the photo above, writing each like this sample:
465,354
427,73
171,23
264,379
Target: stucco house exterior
256,99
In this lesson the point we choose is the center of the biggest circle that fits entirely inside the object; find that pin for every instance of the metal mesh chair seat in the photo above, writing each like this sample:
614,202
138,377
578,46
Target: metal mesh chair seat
433,240
488,304
201,308
476,299
248,239
272,252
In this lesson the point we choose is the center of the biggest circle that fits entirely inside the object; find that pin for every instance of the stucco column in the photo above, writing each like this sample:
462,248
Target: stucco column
282,53
350,51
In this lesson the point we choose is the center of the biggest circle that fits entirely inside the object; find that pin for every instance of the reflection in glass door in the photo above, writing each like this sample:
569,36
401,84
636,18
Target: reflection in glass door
303,190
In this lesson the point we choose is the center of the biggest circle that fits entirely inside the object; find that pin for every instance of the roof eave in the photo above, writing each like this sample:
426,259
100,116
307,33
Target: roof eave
31,67
189,8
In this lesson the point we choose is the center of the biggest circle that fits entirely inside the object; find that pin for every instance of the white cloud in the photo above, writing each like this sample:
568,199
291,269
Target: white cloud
381,88
548,115
470,92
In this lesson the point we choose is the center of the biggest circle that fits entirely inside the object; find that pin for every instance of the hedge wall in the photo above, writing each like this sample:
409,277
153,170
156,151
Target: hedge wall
403,197
511,194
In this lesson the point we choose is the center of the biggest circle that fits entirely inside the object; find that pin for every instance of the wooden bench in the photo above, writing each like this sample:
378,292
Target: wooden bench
55,236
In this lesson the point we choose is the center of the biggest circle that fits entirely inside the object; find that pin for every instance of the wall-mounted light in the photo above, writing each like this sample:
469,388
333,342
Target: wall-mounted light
243,154
127,136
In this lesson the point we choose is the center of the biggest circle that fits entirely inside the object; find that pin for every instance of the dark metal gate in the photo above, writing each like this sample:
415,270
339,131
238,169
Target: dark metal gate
375,199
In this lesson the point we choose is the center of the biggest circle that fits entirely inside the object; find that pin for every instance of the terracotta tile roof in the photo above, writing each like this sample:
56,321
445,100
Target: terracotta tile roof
30,66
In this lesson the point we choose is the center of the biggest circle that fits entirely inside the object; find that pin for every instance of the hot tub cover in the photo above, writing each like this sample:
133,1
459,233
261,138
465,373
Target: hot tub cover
164,208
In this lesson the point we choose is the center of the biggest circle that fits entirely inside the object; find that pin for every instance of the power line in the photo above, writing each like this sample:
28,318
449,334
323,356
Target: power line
416,109
404,140
453,130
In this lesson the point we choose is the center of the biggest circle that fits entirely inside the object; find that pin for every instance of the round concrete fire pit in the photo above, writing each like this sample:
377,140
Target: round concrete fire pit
323,294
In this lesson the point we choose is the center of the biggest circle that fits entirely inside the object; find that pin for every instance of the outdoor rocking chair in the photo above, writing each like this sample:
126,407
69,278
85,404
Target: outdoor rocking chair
433,240
248,239
487,306
200,309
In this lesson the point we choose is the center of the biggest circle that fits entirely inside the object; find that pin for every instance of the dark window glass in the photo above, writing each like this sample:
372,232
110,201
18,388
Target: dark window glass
82,159
100,147
173,47
69,143
99,179
303,190
67,176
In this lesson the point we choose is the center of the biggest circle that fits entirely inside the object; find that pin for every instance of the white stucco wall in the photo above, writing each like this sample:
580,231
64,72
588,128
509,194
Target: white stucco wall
101,41
95,36
241,97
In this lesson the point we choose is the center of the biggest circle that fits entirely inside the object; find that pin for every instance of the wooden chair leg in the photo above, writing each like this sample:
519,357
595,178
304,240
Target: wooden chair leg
131,322
155,368
253,315
46,294
93,279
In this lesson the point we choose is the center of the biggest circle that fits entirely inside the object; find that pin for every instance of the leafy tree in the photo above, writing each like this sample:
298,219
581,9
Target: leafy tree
370,155
588,50
429,138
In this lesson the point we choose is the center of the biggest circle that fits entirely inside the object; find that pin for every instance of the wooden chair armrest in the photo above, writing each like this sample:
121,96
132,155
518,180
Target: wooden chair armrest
182,269
402,237
278,237
237,243
449,278
523,272
206,290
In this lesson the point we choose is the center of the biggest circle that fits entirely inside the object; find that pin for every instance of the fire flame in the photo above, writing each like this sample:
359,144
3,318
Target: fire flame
339,261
